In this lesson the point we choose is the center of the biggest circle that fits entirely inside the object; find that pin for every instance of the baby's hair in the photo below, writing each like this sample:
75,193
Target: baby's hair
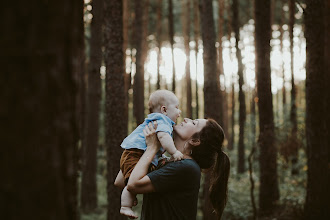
158,99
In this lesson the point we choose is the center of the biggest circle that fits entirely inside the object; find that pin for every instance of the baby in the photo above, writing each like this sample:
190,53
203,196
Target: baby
164,108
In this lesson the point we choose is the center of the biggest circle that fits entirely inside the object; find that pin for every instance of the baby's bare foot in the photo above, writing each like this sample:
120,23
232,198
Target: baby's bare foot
127,211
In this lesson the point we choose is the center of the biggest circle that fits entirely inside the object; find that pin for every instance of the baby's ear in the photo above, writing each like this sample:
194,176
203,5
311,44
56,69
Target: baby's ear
194,142
163,109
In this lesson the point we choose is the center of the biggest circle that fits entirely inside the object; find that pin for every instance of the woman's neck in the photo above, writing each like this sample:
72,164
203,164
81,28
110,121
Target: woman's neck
182,146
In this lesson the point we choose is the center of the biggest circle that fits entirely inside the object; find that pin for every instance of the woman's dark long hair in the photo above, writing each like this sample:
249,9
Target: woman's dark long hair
209,154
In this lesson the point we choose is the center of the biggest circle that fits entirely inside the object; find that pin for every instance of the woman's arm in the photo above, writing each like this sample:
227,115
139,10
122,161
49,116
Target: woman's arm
139,182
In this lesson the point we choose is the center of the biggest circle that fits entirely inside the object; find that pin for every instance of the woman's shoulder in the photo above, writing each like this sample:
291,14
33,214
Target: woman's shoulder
185,165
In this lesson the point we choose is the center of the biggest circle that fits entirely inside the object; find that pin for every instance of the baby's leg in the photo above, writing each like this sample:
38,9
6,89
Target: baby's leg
127,200
120,180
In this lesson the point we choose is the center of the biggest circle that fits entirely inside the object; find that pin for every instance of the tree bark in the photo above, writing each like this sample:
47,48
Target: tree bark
269,192
171,38
159,40
317,92
115,121
282,21
186,35
41,60
138,86
212,103
293,111
224,109
241,95
88,181
196,36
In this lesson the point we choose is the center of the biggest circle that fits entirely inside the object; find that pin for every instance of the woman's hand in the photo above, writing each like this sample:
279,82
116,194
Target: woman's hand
151,136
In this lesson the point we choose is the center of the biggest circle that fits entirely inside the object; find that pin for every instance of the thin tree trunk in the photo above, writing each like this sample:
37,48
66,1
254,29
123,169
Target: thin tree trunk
232,133
212,103
282,20
241,95
293,112
159,40
186,35
196,36
115,120
41,60
126,34
269,192
171,36
317,91
88,181
138,86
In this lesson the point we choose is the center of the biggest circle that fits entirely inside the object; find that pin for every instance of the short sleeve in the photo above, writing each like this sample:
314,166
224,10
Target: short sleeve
164,127
175,176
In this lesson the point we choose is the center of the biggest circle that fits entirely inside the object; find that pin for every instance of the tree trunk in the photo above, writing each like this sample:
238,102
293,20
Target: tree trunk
241,95
186,35
293,112
171,36
196,36
115,121
231,138
88,181
159,40
41,60
269,192
282,21
212,103
138,86
126,34
317,91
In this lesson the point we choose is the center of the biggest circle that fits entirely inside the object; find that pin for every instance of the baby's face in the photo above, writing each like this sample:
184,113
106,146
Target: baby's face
173,111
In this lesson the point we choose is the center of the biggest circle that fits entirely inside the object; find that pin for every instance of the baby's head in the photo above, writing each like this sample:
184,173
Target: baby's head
165,102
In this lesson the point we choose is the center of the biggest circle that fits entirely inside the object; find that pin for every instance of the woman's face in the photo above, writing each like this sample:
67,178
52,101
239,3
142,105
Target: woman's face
189,127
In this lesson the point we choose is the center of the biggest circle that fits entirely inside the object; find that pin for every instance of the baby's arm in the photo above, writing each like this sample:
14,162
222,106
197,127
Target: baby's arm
167,143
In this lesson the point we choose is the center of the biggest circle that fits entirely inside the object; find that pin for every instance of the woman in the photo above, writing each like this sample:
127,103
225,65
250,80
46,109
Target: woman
171,192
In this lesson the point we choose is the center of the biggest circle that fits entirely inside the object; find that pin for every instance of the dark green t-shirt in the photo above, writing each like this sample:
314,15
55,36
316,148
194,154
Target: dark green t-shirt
177,186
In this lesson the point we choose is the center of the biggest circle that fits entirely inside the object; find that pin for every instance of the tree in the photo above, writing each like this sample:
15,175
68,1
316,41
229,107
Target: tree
269,192
186,35
159,39
282,21
41,59
212,102
317,119
138,86
223,93
241,95
231,138
196,36
115,121
171,38
293,111
88,181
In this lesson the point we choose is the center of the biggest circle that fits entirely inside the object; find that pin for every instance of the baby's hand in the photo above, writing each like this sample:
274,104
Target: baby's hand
177,156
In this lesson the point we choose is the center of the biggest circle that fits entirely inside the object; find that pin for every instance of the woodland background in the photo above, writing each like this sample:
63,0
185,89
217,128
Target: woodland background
76,77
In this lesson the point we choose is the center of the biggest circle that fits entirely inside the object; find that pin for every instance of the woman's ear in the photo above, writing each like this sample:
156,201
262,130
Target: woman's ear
163,110
194,142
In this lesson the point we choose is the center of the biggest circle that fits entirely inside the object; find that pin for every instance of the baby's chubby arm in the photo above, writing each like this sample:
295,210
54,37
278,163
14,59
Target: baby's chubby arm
167,143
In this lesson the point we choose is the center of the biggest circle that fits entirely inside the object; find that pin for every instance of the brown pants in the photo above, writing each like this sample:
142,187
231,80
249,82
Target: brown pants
129,159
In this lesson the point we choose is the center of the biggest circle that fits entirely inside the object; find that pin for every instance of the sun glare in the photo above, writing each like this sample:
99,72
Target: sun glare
280,60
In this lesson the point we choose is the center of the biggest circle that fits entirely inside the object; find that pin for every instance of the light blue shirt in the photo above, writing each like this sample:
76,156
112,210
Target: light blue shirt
137,140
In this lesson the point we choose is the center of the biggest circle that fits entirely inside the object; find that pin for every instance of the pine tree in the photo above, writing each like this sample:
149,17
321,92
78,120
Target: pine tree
269,192
41,60
241,95
212,102
88,181
317,119
115,120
